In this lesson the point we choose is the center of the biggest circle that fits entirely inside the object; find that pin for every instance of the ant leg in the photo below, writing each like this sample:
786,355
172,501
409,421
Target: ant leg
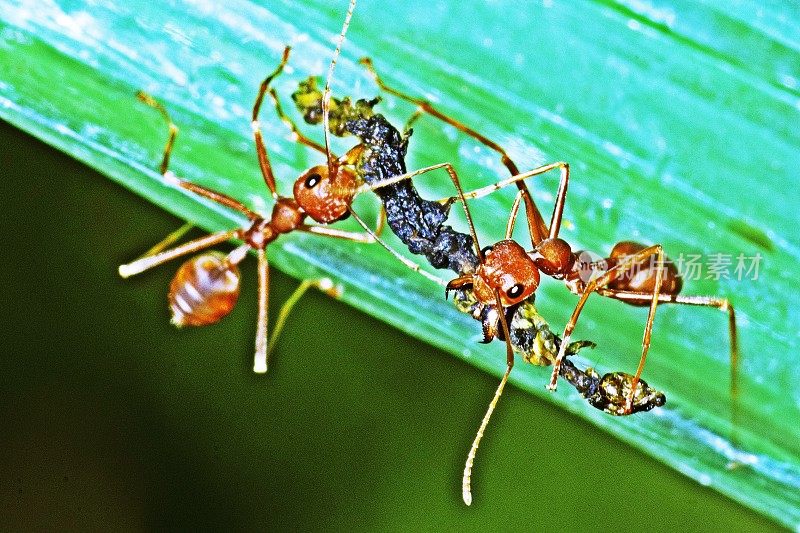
167,241
381,222
424,106
173,129
600,282
296,133
261,149
453,176
724,305
218,197
171,178
466,480
156,255
325,285
461,196
363,238
400,177
147,262
173,237
512,216
536,224
406,261
558,208
370,237
260,361
457,183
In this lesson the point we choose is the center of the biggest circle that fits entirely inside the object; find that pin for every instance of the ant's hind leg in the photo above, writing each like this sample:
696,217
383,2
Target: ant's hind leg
149,261
325,285
724,305
173,237
170,178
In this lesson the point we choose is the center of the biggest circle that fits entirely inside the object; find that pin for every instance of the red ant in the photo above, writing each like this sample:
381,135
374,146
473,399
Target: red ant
507,275
206,288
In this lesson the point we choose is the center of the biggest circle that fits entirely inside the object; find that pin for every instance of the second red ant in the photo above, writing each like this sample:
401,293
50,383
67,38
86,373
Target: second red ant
507,275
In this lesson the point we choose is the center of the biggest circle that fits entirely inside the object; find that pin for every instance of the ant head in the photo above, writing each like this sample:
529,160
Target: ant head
507,268
554,257
326,197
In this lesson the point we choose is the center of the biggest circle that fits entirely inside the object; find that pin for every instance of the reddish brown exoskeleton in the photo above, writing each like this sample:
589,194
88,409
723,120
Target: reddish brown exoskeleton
629,274
508,274
206,287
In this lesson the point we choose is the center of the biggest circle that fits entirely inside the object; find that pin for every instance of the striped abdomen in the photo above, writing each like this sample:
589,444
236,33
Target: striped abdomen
204,290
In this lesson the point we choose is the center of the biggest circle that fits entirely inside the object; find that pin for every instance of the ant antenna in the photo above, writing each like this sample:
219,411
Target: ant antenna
326,95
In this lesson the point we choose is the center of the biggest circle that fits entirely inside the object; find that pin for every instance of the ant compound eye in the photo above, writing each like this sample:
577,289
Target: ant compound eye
486,250
515,291
312,181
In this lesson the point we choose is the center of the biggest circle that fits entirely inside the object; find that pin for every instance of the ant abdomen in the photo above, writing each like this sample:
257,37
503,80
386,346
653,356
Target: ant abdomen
641,277
204,290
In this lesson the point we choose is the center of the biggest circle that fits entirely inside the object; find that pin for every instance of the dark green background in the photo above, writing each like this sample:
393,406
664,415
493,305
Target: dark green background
113,419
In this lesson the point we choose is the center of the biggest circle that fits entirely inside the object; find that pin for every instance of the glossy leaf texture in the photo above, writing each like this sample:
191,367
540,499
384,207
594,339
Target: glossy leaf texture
679,120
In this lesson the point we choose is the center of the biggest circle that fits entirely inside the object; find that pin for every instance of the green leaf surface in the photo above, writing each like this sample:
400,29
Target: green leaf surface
679,122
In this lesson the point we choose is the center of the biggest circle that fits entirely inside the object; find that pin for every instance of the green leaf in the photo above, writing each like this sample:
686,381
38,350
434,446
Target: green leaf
679,122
